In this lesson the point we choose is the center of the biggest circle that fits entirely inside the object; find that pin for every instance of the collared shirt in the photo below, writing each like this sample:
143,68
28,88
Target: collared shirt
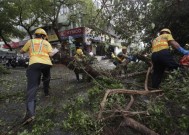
161,42
39,50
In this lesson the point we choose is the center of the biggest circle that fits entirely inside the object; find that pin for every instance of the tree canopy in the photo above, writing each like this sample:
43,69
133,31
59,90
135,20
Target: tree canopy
129,18
7,29
122,106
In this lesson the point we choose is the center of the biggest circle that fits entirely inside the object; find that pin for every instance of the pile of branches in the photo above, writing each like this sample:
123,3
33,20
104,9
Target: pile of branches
124,112
129,114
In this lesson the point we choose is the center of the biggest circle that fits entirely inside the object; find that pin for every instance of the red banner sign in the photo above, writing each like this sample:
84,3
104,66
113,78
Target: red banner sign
12,44
72,32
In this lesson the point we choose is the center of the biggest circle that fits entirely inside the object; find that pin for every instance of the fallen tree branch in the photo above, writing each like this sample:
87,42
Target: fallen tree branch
137,126
122,91
132,92
115,114
126,113
147,76
136,73
144,58
130,103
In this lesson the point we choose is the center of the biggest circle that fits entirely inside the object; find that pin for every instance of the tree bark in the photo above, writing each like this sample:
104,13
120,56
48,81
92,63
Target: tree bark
138,126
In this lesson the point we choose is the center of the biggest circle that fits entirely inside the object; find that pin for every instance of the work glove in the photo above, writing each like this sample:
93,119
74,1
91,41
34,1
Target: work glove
113,55
183,51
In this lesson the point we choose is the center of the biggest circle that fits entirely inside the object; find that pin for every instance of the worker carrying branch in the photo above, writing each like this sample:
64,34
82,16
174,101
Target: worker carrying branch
79,59
121,60
161,56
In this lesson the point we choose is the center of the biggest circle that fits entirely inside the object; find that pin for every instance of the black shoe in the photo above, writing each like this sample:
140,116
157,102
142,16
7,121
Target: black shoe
28,119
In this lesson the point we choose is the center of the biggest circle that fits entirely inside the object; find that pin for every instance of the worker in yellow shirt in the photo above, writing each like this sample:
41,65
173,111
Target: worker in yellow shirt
161,56
79,58
121,60
39,50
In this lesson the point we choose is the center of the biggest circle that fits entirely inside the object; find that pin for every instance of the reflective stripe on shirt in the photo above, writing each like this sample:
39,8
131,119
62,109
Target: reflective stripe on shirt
159,44
40,51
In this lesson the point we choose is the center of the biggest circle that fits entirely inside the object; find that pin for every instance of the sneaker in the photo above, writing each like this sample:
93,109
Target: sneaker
28,119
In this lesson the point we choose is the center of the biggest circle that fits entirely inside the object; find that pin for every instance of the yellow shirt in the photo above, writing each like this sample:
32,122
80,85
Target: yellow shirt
161,42
79,57
38,51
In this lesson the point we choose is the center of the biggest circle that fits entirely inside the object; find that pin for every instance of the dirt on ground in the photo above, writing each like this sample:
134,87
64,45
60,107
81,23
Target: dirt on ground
63,88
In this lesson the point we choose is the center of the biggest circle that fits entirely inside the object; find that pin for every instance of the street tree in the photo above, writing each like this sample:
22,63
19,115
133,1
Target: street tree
125,17
172,14
72,11
7,29
28,14
139,21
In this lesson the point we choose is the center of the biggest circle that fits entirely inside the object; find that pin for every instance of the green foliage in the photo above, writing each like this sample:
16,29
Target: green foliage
43,122
8,29
116,99
169,113
3,70
7,85
174,19
109,83
79,119
137,67
96,93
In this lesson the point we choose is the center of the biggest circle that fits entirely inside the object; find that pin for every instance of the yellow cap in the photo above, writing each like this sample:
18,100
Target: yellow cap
124,47
41,31
79,52
165,30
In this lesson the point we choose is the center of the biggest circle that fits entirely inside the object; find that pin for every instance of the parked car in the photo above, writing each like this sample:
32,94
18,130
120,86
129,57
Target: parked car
17,62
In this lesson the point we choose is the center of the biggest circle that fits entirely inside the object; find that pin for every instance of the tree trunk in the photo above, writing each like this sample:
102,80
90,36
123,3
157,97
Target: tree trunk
28,31
57,34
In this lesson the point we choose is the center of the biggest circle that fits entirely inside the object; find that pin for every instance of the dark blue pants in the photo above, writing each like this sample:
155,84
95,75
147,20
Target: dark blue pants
161,60
33,73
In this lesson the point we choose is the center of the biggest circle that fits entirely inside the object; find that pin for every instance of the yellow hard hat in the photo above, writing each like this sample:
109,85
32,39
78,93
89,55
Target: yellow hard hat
124,47
79,51
41,31
165,30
